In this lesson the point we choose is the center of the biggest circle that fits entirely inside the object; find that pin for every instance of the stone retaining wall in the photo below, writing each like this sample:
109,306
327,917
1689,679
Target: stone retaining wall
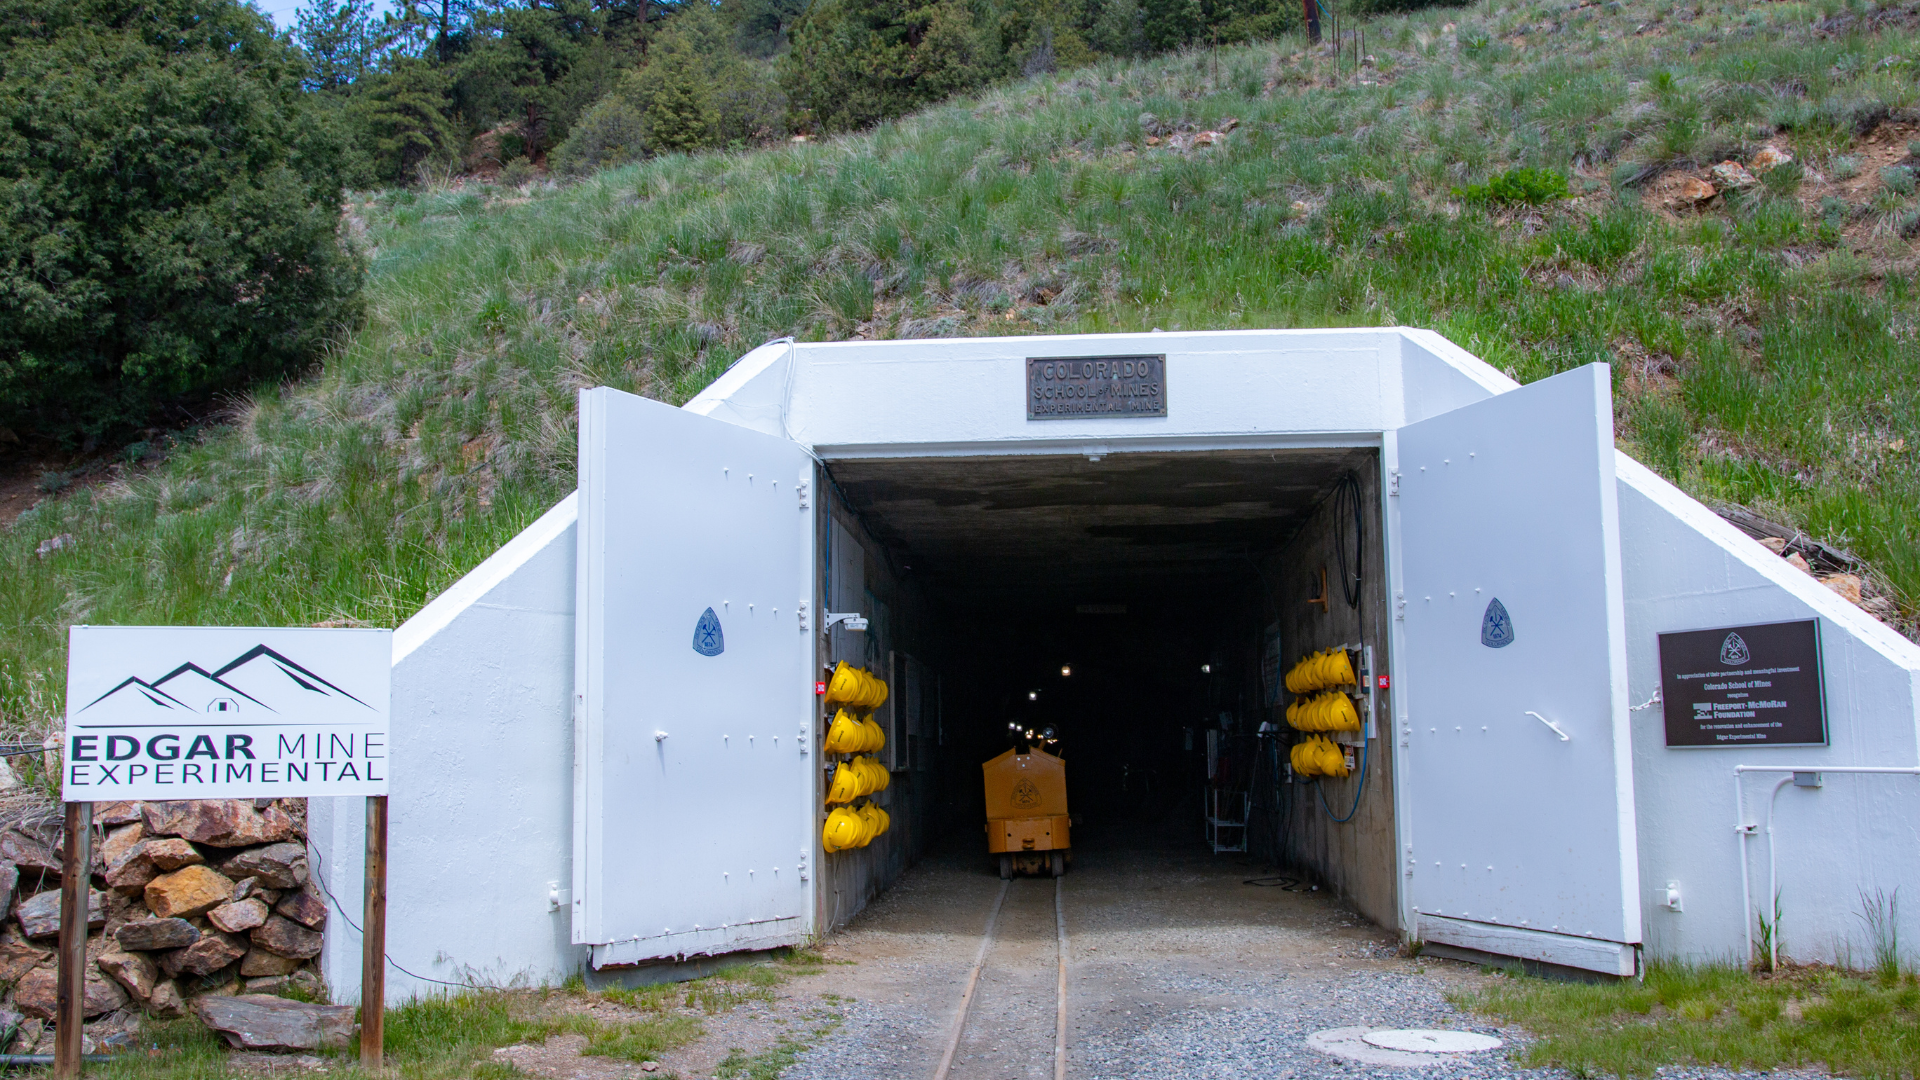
190,901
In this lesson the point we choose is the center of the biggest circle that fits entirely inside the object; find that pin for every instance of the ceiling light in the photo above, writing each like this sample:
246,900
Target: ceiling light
1206,669
1033,695
1066,670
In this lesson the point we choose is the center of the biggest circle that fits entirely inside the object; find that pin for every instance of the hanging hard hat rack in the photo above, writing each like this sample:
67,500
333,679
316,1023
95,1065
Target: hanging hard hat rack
853,818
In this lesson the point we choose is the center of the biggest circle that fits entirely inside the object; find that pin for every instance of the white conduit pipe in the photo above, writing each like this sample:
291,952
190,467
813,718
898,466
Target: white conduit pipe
1743,829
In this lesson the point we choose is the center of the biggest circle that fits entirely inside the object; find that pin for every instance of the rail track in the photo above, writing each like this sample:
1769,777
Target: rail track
969,994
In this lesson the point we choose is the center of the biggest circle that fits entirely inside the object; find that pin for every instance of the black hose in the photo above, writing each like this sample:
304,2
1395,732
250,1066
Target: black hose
1347,503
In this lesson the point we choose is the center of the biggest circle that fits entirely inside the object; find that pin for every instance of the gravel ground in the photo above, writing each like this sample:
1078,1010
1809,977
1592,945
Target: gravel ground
1177,969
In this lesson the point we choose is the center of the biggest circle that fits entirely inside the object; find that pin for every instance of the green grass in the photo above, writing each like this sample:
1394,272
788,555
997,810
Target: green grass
454,1035
1865,1027
1765,348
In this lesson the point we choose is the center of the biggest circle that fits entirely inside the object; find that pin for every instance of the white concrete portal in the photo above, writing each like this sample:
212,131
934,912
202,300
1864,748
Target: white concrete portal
483,685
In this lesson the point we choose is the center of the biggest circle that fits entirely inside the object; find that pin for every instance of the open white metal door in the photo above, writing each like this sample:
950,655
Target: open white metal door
694,685
1518,768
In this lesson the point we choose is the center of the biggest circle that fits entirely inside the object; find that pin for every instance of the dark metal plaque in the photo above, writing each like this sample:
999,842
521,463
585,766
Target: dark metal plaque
1744,686
1075,386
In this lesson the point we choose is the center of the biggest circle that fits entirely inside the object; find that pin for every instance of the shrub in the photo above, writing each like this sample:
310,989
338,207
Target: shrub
1529,187
856,62
172,213
612,132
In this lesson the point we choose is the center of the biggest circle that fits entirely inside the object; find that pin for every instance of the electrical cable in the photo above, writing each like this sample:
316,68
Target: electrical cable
342,909
1361,786
1346,500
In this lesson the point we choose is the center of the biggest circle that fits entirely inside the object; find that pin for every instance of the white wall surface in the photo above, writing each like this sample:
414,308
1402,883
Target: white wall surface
1687,569
482,784
845,399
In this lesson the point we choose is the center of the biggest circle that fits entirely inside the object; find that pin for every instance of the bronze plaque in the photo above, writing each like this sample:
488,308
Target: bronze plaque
1744,686
1076,386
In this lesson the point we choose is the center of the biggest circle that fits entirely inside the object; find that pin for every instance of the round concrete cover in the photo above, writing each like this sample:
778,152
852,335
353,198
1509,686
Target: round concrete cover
1431,1042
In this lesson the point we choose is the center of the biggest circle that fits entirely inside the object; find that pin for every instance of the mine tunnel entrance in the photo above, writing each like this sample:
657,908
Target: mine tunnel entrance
1132,614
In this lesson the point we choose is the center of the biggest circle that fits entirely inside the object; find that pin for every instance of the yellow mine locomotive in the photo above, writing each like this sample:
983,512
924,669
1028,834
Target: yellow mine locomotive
1027,812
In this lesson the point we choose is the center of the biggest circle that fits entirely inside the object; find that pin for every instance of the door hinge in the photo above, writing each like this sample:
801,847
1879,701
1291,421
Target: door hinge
1400,606
1393,482
802,489
803,619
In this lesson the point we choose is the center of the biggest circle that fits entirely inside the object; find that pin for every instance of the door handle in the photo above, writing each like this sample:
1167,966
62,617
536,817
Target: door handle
1564,737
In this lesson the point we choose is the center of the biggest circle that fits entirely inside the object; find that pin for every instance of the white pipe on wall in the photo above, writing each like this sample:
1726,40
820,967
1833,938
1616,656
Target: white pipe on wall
1744,828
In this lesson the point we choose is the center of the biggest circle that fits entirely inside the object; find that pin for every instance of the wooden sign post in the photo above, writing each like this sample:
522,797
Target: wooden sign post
70,987
373,940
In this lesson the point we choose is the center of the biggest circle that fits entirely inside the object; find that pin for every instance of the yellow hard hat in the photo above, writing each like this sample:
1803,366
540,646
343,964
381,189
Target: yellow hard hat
881,777
840,688
1333,762
869,824
842,734
886,819
842,830
845,787
876,735
1302,757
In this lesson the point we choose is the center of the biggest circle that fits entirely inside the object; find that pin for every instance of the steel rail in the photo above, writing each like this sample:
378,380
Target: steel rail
973,980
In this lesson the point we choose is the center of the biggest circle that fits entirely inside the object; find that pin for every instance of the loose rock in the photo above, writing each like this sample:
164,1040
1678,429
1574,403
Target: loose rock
117,813
17,958
212,952
264,1022
167,999
220,822
1769,157
278,866
304,907
27,853
172,853
302,981
1732,174
193,890
260,962
9,880
135,971
120,845
133,873
1847,585
1794,560
40,916
34,994
1693,189
284,937
157,934
239,917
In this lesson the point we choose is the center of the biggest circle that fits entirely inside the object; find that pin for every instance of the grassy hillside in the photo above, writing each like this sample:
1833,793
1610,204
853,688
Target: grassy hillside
1765,342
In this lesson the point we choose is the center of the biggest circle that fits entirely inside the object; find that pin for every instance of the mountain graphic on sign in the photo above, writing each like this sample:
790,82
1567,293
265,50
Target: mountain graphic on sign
258,679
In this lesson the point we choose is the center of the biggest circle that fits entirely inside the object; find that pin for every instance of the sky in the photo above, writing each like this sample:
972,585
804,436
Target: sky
280,11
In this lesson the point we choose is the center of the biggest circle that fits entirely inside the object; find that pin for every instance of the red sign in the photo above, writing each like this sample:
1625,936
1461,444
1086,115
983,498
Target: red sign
819,688
1383,682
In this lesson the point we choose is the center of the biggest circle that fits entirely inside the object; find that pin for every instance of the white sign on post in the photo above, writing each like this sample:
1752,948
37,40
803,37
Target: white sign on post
216,712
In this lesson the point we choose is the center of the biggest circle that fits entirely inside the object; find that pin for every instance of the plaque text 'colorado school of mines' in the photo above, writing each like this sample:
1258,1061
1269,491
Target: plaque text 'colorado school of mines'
1060,388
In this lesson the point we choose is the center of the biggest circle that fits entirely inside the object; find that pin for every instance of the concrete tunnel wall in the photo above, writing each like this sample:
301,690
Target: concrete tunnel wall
482,679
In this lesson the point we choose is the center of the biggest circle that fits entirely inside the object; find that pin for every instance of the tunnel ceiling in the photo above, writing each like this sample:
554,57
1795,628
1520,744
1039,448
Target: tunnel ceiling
1062,530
